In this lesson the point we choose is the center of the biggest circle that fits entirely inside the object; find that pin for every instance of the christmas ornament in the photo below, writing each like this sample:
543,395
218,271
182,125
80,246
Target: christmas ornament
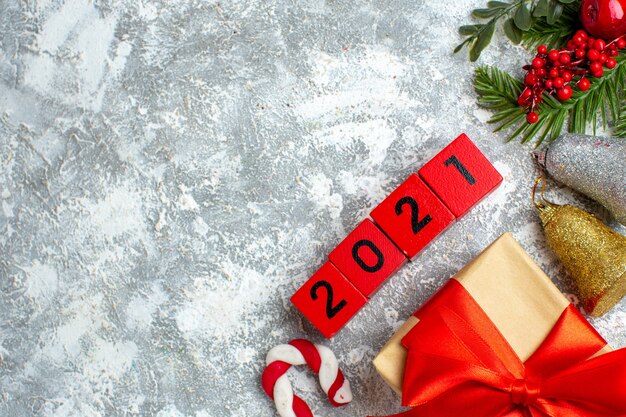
592,166
554,72
593,254
604,18
320,359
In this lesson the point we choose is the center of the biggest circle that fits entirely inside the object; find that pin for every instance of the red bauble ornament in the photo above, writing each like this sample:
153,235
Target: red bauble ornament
604,19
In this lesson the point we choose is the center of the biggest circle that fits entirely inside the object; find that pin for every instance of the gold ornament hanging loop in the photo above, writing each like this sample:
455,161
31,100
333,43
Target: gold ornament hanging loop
545,207
541,180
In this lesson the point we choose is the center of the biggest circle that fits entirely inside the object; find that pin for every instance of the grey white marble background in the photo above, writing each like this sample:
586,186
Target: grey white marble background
171,171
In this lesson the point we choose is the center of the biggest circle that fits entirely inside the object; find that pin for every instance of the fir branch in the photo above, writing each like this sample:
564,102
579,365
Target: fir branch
619,130
498,91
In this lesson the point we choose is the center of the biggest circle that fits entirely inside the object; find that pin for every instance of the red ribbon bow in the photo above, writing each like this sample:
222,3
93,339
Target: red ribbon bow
459,365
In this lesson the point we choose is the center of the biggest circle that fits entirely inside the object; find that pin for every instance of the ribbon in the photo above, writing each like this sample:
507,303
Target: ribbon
459,365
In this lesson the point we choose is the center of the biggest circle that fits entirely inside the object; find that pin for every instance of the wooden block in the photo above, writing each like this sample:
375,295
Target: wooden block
412,216
460,175
328,300
367,257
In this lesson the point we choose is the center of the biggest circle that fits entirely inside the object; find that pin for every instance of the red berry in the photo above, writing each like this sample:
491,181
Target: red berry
553,55
598,73
604,18
532,117
565,59
593,55
578,40
541,72
584,84
542,49
558,82
526,93
621,43
531,79
602,59
554,73
571,44
564,93
599,45
611,63
613,52
549,84
581,33
580,53
567,76
538,63
595,67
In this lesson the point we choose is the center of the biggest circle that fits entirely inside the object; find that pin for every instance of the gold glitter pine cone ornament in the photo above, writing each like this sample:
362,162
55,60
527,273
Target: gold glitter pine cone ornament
593,254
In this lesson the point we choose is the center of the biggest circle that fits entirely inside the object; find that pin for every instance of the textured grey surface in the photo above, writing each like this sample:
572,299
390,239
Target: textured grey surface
171,171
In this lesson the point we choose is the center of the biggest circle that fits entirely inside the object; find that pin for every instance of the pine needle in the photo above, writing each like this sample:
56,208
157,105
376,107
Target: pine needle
619,130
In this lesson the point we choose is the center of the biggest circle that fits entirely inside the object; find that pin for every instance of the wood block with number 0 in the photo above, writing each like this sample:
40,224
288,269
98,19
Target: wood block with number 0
412,216
460,175
367,257
328,300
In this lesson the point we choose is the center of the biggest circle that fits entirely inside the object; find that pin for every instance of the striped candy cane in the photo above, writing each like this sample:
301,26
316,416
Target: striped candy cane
320,359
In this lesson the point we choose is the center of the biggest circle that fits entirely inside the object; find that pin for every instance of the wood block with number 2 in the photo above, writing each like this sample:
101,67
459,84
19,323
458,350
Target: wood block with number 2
460,175
367,257
412,216
328,300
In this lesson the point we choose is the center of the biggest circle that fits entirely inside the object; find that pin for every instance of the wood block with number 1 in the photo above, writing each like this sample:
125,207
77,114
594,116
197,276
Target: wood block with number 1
367,257
460,175
328,300
412,216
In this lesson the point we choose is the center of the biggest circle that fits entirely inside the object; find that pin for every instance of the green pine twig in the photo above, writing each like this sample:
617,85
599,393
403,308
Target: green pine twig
498,91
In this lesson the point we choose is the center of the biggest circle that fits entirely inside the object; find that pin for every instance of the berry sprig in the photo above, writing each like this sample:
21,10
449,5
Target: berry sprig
553,72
